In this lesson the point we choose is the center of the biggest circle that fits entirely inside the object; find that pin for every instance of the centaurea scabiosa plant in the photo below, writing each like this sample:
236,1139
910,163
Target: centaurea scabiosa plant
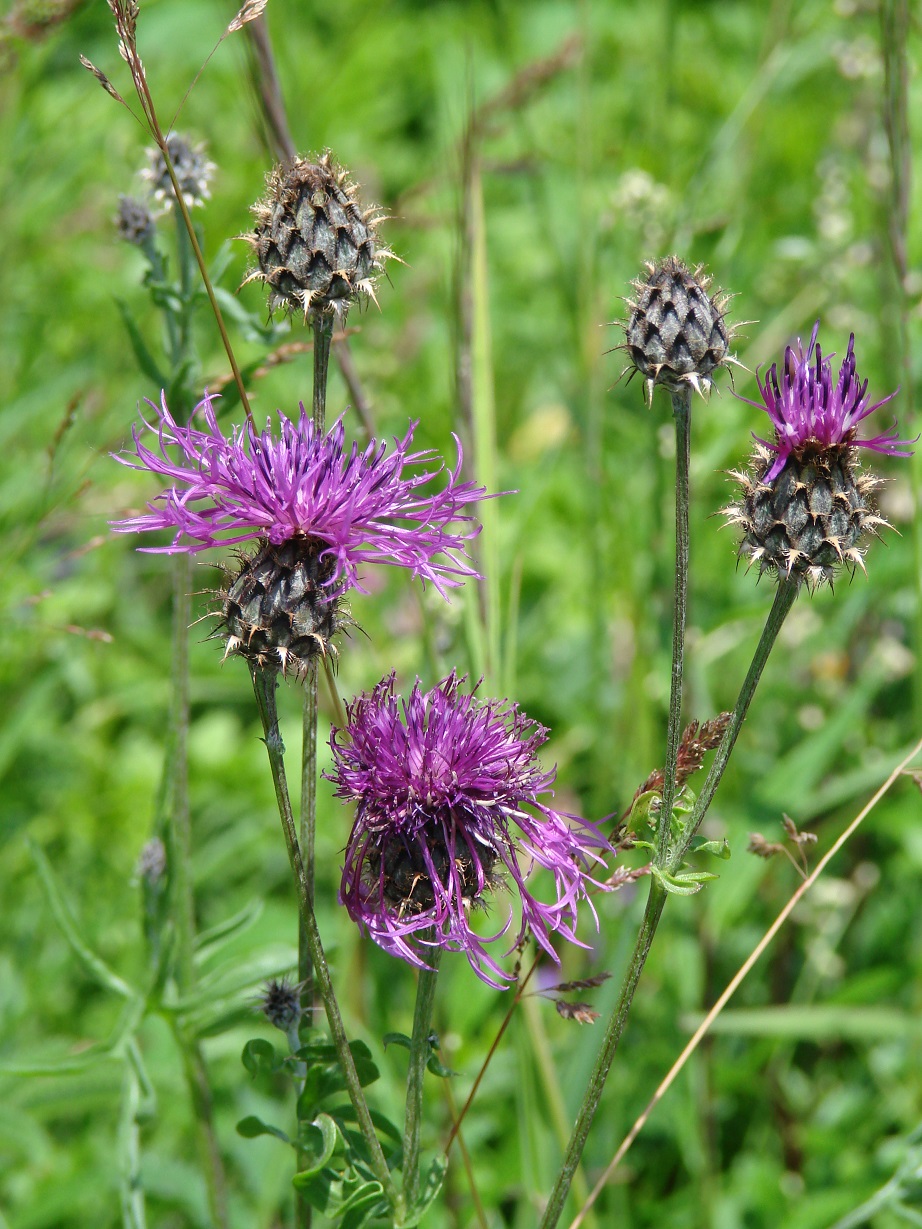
319,511
447,789
804,511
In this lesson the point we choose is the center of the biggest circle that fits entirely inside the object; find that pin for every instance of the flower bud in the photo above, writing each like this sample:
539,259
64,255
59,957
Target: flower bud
676,334
317,248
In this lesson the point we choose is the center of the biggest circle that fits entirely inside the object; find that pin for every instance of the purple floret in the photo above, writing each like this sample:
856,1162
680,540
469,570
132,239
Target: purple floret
294,482
447,788
807,408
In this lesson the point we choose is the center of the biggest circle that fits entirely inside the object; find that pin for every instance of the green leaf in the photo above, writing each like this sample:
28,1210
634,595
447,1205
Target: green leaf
143,356
686,883
346,1113
251,1126
324,1080
211,941
252,325
96,967
437,1067
640,808
397,1039
319,1140
720,849
432,1184
364,1198
259,1057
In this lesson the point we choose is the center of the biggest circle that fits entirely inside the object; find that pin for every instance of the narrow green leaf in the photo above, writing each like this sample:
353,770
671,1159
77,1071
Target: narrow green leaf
143,356
437,1067
397,1039
211,941
95,966
328,1140
432,1184
720,849
251,1126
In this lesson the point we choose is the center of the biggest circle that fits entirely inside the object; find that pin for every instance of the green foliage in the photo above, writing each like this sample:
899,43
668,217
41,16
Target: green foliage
744,135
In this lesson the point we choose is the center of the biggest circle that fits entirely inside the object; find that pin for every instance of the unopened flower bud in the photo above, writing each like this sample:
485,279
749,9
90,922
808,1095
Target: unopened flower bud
135,222
676,334
280,1004
317,248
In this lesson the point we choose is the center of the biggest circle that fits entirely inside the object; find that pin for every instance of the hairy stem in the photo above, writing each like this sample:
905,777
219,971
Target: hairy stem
784,600
264,685
681,408
420,1051
655,902
179,829
203,1109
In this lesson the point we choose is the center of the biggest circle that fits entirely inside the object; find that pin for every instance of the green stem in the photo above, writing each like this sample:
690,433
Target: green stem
784,600
308,828
681,408
323,336
420,1051
785,595
264,685
179,831
655,902
185,262
203,1109
323,331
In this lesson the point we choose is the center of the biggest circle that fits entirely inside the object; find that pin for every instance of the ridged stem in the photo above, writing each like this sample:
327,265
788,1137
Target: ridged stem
307,835
264,685
420,1051
785,596
784,600
196,1075
179,830
654,908
681,408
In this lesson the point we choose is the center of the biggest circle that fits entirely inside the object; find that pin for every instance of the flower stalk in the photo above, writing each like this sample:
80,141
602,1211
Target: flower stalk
264,685
323,332
681,408
420,1051
784,600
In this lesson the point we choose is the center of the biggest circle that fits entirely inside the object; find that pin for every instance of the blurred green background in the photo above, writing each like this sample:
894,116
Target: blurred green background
746,135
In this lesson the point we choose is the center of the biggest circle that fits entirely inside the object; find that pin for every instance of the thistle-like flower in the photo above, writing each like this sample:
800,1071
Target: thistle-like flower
318,512
317,248
805,502
193,170
447,792
676,334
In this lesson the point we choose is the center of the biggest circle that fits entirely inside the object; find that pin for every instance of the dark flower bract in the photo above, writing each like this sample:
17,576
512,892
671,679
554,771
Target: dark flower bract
447,790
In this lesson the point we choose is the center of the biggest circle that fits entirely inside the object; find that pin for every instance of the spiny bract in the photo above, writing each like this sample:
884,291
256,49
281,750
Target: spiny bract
676,334
317,248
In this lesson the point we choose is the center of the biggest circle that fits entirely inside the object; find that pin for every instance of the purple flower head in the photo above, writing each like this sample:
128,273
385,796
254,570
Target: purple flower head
807,407
295,483
446,789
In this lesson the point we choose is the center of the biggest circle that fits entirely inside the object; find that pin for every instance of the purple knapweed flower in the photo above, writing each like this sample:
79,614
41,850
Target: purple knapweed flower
359,506
808,408
447,789
805,504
